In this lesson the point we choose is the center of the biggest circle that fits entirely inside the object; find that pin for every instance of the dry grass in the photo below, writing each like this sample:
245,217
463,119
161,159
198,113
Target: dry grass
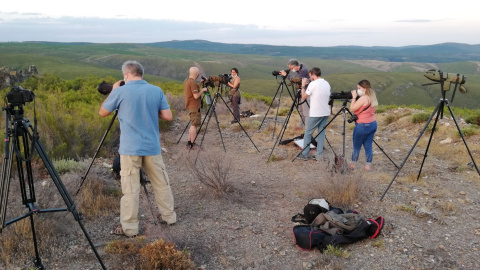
163,255
95,200
448,206
16,241
212,170
342,190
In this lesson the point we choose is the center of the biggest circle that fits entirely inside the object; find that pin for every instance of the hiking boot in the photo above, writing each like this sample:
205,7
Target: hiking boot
302,157
234,122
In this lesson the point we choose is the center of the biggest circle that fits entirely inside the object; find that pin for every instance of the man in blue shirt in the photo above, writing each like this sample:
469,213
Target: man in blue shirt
140,105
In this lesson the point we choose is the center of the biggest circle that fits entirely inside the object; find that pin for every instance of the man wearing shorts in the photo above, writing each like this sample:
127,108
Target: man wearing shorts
193,104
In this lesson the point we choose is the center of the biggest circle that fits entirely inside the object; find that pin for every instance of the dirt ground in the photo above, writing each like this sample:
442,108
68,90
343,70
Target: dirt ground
432,223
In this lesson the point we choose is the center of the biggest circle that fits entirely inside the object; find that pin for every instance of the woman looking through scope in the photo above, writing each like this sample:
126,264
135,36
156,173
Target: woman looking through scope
235,94
365,125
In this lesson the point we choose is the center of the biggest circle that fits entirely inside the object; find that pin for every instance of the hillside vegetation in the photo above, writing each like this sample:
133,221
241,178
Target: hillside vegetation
398,83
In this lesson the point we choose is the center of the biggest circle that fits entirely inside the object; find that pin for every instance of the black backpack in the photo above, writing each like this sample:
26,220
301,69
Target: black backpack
313,208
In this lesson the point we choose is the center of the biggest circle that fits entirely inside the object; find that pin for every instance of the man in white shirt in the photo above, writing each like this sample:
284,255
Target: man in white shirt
319,92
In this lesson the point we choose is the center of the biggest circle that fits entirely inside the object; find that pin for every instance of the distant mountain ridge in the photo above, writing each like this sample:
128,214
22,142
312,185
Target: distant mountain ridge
438,53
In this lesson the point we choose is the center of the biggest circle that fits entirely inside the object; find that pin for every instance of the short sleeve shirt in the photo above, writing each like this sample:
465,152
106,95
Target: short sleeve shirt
319,92
138,104
190,87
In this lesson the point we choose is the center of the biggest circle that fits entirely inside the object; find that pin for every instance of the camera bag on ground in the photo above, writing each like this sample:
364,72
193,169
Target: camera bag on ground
313,208
335,227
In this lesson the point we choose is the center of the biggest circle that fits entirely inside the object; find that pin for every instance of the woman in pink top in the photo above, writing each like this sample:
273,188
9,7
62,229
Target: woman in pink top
366,125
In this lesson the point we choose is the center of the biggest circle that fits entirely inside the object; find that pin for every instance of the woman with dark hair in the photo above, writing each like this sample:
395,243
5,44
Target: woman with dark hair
234,84
365,125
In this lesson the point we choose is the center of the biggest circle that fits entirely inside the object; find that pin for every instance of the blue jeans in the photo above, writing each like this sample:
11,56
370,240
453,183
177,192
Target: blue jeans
312,124
363,135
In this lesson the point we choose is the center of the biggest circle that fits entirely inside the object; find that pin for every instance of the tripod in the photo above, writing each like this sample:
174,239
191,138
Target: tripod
143,180
19,133
343,110
438,112
211,111
220,89
281,85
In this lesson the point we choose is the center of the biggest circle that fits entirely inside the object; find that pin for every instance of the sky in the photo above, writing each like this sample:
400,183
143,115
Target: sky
305,23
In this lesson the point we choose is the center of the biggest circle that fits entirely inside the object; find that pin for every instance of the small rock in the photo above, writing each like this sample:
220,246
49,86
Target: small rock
462,193
447,140
441,247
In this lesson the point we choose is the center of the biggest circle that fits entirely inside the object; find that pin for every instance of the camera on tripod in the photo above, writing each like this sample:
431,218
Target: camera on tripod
341,95
208,82
19,96
277,73
105,88
220,79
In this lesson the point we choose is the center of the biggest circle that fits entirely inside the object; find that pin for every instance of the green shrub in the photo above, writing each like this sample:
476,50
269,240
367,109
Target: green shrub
469,130
391,118
384,108
473,119
420,117
66,165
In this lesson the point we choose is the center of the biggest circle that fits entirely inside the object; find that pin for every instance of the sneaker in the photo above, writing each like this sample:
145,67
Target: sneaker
302,157
234,122
188,145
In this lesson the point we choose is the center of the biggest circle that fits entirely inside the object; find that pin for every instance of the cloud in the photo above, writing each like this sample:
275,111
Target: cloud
36,27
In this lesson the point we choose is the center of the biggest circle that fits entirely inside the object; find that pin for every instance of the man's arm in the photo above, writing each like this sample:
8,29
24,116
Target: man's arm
104,112
165,114
197,94
304,93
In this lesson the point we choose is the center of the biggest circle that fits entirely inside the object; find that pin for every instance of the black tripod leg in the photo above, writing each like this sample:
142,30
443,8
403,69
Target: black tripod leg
188,124
219,130
238,120
411,150
278,108
5,187
271,103
63,192
38,261
429,142
282,130
205,118
209,116
98,149
313,138
381,149
463,137
143,182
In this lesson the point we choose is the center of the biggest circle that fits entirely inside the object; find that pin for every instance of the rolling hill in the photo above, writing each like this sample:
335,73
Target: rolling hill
396,82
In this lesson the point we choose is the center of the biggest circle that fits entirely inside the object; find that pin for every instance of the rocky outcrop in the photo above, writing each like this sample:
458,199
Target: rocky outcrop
9,77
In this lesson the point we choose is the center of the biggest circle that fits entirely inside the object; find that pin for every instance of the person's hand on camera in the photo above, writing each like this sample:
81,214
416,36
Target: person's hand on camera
118,84
283,73
205,89
354,94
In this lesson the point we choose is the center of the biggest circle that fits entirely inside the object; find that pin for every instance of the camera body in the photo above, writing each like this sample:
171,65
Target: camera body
354,118
225,78
341,95
277,73
19,96
104,88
